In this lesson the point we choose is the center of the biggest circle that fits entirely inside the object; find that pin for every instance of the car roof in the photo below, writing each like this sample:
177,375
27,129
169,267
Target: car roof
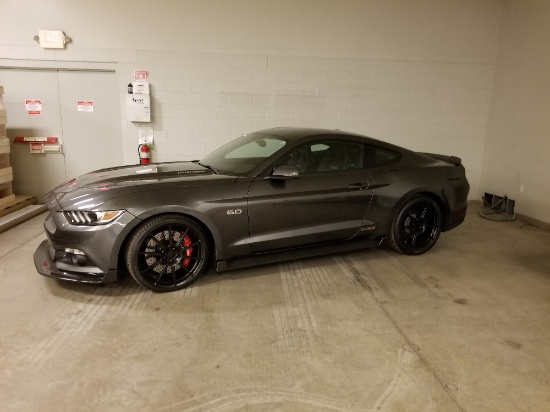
302,133
298,132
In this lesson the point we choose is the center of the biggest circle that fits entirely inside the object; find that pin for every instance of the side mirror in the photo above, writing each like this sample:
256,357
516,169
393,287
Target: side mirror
284,172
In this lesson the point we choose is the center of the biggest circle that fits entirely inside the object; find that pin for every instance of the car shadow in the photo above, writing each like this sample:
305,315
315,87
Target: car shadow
126,286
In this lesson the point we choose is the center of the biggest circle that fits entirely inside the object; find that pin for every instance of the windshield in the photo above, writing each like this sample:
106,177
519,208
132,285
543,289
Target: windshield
243,154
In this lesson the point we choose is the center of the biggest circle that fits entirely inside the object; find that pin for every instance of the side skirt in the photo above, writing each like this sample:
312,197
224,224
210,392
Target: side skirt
294,254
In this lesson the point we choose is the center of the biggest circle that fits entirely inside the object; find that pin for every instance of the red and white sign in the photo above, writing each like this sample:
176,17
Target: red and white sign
37,147
141,74
83,106
33,106
49,139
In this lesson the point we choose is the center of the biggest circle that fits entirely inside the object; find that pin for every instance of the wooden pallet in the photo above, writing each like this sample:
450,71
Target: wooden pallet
6,194
18,203
6,172
2,110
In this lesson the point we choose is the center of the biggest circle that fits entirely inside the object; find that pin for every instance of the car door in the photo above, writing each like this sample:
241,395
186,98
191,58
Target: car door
326,202
389,184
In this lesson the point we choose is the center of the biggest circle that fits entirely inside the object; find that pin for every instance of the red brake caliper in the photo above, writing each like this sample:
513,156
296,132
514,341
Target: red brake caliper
187,242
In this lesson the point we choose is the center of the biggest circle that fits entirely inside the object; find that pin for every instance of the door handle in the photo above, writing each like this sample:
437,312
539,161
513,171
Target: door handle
358,186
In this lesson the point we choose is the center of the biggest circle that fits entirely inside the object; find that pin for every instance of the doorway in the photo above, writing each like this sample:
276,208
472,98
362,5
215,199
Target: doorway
90,133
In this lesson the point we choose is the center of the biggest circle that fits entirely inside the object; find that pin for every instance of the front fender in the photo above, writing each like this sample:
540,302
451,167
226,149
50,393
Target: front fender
208,206
202,219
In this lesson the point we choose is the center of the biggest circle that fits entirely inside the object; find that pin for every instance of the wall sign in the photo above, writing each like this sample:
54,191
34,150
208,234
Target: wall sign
36,147
141,74
146,134
85,106
33,106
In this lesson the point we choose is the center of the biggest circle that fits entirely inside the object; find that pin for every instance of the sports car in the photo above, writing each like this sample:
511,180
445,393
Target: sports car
268,196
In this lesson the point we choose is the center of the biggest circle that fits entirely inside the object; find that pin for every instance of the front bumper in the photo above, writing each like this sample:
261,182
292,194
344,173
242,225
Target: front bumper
45,265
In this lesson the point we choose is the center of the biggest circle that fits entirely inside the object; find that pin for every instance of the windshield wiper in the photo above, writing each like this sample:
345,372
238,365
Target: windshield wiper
216,171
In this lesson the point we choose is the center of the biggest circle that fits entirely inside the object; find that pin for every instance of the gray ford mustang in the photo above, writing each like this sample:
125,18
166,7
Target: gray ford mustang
272,195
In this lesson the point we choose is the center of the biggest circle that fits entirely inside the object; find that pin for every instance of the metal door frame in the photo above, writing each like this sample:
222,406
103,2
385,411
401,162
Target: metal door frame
54,65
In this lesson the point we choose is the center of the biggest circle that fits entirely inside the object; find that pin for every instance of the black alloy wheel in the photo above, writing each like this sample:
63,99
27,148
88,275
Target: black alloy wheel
167,253
416,226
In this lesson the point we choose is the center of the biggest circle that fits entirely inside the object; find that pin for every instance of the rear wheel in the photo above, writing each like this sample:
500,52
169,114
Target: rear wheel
167,253
416,226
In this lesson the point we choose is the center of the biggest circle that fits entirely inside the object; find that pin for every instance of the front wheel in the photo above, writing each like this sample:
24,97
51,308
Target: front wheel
416,226
167,253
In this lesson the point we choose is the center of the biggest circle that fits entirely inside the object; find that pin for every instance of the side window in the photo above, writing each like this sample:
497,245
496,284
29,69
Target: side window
377,156
329,156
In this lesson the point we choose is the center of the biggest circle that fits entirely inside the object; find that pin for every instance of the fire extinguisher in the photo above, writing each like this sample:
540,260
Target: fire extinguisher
144,154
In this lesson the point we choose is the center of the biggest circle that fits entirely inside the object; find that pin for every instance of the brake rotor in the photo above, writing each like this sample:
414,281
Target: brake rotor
164,236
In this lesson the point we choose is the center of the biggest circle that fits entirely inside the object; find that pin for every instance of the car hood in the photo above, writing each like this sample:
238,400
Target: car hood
92,189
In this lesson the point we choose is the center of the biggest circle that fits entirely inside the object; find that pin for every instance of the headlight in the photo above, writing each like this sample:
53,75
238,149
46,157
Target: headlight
91,218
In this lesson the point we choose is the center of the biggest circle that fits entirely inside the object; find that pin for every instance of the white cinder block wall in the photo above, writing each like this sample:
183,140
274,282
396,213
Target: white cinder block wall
517,154
416,73
202,100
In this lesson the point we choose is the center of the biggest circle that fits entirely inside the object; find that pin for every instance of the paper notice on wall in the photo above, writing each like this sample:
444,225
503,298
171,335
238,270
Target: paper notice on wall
85,106
146,134
140,87
33,106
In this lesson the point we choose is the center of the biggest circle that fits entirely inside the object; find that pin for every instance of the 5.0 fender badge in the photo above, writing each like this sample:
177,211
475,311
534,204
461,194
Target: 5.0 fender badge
234,211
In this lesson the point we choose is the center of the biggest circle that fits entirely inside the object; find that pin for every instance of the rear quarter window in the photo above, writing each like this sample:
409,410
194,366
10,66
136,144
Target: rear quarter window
379,156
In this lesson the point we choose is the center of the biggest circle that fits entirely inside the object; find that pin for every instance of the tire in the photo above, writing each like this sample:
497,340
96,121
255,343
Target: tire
167,253
416,226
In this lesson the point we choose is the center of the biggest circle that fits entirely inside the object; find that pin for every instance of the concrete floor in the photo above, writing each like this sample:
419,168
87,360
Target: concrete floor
465,327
